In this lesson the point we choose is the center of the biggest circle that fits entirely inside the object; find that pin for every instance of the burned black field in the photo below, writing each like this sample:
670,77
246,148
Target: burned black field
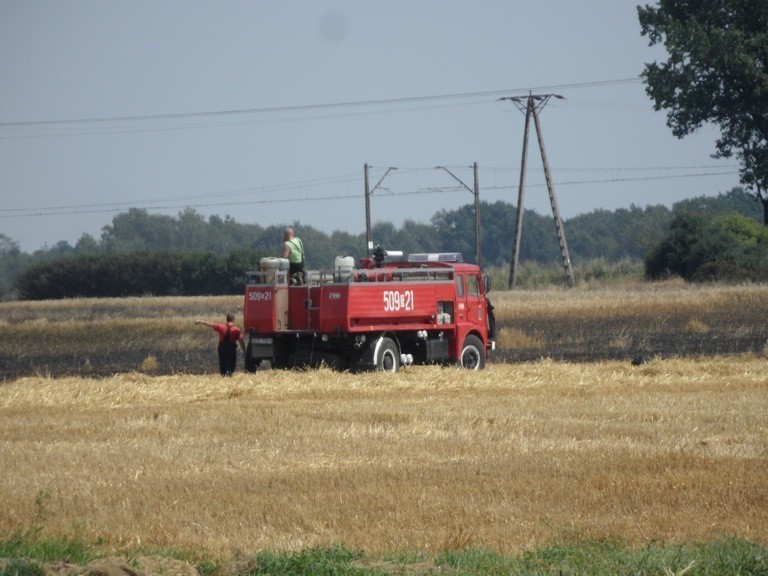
158,335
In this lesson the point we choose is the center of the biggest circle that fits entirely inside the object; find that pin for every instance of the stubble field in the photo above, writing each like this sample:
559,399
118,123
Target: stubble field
514,458
519,457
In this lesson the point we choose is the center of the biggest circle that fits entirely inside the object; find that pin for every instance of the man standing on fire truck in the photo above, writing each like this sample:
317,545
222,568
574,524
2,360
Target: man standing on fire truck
293,250
229,336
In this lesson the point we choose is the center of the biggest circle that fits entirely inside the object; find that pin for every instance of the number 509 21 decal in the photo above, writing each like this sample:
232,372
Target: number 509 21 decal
395,301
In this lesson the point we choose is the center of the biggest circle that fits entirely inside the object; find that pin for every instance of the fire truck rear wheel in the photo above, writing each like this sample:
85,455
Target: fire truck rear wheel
388,358
473,353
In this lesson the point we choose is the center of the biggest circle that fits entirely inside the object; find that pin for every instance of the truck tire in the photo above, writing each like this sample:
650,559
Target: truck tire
472,353
251,363
387,356
280,363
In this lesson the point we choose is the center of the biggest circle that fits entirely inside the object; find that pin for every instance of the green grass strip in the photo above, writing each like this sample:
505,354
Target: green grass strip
22,554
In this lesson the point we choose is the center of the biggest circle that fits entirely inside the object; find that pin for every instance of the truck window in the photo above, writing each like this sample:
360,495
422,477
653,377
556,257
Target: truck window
460,286
473,286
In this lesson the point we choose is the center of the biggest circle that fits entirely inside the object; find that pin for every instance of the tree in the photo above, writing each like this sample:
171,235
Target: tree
726,247
87,244
12,262
138,230
735,200
717,72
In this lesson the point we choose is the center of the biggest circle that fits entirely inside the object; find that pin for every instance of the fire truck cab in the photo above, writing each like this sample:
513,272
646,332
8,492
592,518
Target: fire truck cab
428,309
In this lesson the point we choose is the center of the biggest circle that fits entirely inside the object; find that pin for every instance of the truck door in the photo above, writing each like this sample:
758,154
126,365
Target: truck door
460,311
474,301
469,308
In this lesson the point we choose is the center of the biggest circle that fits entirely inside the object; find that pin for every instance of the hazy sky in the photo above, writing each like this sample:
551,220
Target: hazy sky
267,111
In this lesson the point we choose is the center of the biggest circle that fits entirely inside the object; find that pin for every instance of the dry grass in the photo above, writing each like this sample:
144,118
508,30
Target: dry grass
650,299
514,338
149,365
512,458
110,309
696,326
655,319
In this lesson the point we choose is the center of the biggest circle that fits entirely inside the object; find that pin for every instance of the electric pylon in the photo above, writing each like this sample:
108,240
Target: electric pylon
530,106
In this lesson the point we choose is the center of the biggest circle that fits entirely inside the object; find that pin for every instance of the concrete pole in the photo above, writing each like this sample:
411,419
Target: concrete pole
477,217
368,232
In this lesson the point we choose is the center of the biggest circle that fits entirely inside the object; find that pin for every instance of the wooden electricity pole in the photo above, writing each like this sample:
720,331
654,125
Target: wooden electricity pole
533,104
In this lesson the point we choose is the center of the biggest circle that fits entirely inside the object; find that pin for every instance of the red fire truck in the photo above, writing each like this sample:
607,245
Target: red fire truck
430,308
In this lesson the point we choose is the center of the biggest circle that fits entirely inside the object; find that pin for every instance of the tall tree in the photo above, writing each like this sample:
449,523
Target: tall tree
717,72
12,262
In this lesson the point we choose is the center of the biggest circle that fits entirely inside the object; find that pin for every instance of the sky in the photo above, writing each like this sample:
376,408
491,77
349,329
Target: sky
267,112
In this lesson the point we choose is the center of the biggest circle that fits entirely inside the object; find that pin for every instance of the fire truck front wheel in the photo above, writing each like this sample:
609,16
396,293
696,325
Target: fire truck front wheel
251,363
387,356
473,353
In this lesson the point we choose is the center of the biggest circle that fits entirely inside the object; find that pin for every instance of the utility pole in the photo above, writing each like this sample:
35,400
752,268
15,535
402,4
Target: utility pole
533,104
368,192
520,196
476,192
368,237
559,228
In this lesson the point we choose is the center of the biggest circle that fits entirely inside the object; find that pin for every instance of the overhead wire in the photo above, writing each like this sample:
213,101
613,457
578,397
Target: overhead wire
617,180
310,107
111,124
65,132
614,168
345,178
116,207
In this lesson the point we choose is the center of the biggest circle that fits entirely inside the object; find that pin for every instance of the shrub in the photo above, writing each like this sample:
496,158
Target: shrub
701,248
137,274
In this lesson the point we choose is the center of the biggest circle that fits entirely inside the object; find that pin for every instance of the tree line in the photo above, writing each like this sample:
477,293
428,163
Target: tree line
179,273
143,253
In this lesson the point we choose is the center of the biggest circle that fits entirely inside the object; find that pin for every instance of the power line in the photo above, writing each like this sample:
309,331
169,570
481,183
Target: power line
65,132
311,107
601,105
117,207
345,178
616,180
615,168
177,206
